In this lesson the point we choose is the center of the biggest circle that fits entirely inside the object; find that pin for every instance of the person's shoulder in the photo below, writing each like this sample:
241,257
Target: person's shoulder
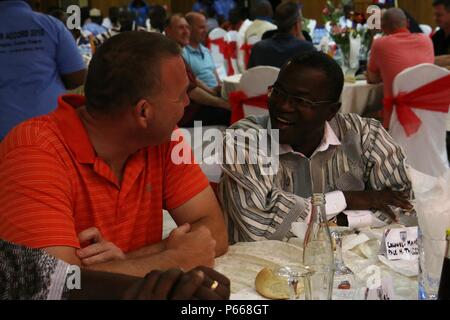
353,121
251,123
39,133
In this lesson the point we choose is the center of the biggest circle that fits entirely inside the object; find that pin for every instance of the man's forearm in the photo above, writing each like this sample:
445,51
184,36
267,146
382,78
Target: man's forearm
147,251
139,267
97,285
219,234
443,61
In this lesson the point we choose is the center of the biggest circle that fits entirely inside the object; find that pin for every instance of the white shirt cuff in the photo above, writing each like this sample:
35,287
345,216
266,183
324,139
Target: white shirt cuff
335,203
362,219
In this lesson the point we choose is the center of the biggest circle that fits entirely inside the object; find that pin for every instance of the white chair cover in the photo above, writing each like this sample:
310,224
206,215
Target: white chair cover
240,42
219,59
232,36
426,149
426,29
255,82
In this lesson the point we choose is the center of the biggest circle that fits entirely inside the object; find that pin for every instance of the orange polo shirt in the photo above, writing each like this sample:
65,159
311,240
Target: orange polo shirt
53,185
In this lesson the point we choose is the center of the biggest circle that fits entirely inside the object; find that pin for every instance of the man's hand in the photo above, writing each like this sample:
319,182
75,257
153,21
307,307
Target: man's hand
174,284
378,200
194,248
98,250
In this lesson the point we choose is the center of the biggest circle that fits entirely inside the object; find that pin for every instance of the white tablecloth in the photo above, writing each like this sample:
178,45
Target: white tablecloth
244,260
357,97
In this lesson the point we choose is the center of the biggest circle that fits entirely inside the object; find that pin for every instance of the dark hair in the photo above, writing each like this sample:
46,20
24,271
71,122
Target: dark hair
445,3
318,60
287,14
158,17
113,14
264,9
125,69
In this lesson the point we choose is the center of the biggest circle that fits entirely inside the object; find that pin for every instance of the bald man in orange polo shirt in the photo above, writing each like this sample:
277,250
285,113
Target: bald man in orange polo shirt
89,181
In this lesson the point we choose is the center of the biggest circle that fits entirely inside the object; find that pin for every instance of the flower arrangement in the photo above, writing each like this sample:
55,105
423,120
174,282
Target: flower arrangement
345,25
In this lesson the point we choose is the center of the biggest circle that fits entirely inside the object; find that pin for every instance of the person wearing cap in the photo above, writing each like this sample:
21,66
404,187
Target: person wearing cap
93,26
285,43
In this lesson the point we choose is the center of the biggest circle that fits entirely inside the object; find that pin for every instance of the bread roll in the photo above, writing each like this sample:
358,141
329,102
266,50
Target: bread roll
271,286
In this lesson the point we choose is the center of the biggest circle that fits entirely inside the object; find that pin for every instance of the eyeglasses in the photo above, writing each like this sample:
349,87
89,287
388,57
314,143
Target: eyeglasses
277,93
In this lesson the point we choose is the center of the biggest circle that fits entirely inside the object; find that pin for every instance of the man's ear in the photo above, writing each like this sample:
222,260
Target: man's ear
143,113
334,108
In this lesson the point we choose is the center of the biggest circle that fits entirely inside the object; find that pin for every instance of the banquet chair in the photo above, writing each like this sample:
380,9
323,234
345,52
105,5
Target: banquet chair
426,148
217,45
251,99
240,42
232,62
428,30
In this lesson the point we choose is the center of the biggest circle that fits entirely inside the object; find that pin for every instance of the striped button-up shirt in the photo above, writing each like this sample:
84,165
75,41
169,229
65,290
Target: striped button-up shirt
261,206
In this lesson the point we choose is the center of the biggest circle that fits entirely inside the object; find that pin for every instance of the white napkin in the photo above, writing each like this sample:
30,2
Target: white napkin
409,268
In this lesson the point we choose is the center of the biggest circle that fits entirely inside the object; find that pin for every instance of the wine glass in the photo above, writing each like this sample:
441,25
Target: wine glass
293,275
345,282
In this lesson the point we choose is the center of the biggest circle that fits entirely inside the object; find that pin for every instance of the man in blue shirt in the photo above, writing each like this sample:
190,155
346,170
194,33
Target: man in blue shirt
39,61
287,41
223,8
93,26
141,9
197,55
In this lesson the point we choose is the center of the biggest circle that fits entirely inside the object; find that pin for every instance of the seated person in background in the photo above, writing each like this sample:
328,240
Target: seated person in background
97,173
205,105
125,20
93,26
441,39
262,22
395,52
36,275
285,43
112,20
223,8
140,9
197,56
352,160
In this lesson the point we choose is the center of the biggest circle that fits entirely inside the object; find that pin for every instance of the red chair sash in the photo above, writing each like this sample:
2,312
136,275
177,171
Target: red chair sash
434,96
239,98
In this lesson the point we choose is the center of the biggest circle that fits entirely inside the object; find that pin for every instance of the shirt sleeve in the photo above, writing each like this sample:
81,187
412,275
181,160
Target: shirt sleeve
183,178
255,207
385,162
36,275
36,200
68,57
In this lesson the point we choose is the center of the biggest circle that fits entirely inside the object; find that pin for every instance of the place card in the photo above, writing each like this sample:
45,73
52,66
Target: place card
400,244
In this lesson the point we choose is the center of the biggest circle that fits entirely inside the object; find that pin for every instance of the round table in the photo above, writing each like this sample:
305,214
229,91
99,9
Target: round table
360,97
357,97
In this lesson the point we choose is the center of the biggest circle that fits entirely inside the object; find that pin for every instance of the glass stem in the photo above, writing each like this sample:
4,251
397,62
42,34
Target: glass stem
338,249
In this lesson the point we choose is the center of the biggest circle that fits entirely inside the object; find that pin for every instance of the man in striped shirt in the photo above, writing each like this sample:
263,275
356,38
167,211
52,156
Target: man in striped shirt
352,160
88,182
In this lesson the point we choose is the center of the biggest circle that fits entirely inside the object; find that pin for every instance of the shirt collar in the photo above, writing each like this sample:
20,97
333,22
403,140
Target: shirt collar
192,50
72,129
329,139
